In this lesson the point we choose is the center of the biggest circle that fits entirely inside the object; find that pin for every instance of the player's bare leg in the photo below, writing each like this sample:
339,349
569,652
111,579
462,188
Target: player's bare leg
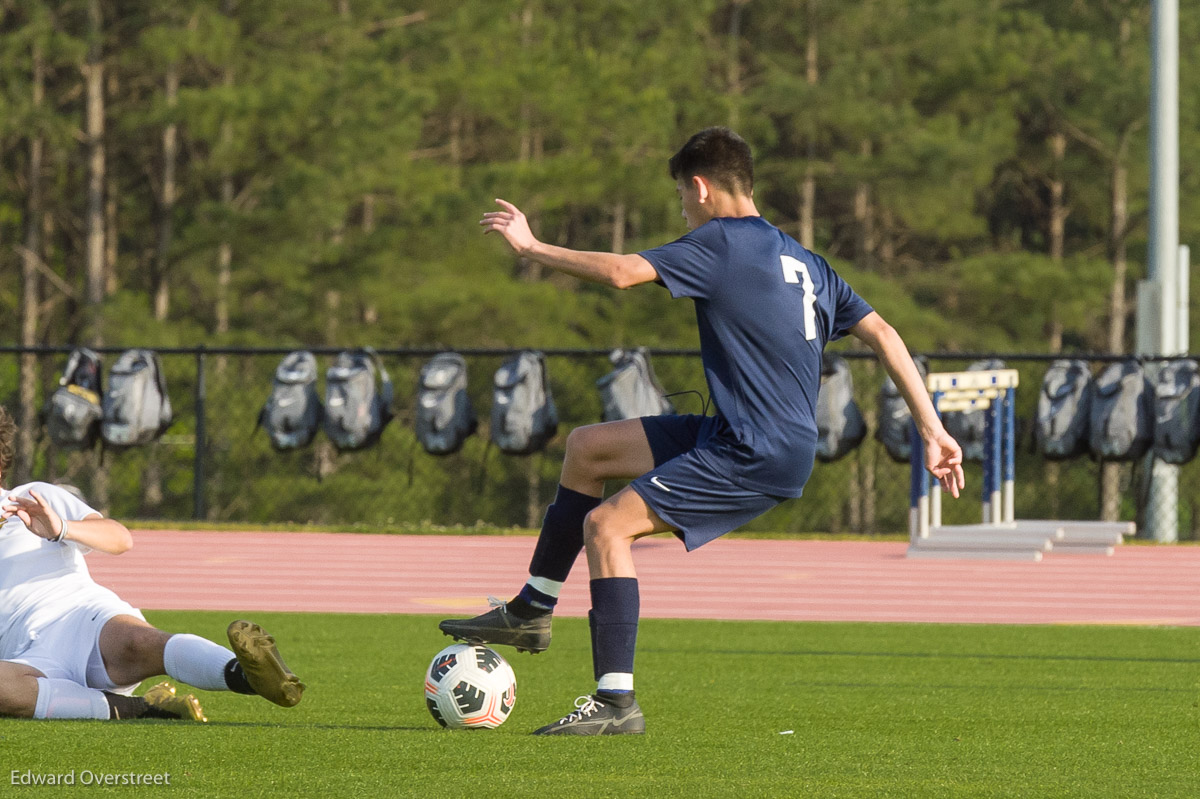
609,532
25,692
595,453
132,650
18,689
606,451
611,529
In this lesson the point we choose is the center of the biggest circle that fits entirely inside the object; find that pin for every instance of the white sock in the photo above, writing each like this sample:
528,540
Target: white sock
545,585
615,681
197,661
63,699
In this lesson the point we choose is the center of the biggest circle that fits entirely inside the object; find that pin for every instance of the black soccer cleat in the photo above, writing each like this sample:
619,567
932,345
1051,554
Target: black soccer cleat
600,714
501,626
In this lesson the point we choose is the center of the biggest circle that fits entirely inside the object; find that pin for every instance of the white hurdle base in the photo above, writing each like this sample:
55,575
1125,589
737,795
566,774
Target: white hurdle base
915,551
1000,541
987,541
1087,533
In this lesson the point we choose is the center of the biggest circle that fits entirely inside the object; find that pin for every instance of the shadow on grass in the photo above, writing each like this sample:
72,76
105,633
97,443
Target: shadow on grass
309,726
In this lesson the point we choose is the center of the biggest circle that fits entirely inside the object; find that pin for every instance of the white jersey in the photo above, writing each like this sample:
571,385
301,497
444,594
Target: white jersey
39,580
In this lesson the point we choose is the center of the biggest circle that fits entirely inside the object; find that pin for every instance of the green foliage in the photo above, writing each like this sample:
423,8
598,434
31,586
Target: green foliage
342,152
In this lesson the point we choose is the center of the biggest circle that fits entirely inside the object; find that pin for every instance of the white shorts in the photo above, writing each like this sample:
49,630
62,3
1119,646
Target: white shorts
68,648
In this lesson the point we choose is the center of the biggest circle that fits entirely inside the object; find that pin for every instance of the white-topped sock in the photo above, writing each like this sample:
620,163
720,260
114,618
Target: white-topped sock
63,699
615,681
545,585
197,661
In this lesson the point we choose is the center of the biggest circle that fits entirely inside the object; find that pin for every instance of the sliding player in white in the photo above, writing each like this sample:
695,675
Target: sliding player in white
72,649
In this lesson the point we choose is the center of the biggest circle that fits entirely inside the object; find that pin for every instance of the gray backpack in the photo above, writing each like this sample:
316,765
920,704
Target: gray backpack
1122,421
840,425
1064,410
445,416
967,427
523,414
358,399
1177,411
136,407
895,419
631,389
292,414
74,411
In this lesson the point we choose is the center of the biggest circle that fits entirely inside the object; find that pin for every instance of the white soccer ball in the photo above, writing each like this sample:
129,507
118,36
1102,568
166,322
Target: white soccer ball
470,687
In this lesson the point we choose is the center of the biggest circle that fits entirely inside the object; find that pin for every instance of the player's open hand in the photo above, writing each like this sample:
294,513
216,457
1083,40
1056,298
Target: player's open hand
943,459
35,513
511,224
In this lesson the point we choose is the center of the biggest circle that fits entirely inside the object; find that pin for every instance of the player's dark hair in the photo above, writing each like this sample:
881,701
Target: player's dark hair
721,156
8,439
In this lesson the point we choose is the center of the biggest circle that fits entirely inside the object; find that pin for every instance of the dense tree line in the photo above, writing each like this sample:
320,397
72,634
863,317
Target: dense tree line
245,172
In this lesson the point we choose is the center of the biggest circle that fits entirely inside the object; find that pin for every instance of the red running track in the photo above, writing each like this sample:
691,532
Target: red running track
727,579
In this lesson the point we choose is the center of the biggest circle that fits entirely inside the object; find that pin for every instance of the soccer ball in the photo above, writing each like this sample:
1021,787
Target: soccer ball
470,687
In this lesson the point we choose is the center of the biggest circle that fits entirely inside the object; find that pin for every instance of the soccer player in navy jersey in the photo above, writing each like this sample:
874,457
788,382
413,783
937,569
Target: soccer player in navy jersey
765,307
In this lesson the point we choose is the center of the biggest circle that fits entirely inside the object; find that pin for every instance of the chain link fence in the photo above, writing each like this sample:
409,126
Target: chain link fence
236,477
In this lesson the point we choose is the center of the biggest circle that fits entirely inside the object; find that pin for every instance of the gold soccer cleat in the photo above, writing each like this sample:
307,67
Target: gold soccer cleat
163,702
265,670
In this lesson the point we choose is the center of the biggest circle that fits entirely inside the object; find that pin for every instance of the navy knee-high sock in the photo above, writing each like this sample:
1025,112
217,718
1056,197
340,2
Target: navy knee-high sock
561,539
614,622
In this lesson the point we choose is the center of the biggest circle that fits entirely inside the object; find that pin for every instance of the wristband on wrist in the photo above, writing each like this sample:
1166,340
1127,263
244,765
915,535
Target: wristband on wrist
62,534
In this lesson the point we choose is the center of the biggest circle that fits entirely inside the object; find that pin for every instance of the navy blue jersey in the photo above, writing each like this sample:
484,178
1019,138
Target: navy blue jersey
765,307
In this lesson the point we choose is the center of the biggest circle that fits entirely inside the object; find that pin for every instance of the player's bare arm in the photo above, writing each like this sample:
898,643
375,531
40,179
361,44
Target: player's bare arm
943,455
611,269
93,532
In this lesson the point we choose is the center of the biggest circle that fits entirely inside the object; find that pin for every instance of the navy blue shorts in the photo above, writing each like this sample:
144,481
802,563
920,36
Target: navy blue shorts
689,487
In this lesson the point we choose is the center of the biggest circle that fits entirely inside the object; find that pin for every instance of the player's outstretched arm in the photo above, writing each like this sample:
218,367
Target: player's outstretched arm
943,455
619,271
93,532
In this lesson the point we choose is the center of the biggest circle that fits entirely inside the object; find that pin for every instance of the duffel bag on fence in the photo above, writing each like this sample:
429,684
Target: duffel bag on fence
137,408
1064,410
524,418
1177,411
631,389
895,419
840,425
1122,421
967,427
445,416
74,412
292,414
358,399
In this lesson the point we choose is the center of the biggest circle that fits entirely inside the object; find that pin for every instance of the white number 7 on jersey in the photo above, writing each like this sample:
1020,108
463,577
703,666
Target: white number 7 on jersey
795,271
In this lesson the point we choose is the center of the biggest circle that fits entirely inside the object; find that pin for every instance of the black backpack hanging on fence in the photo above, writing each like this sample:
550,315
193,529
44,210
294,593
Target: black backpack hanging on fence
895,419
444,414
967,427
74,411
1122,422
358,399
1064,410
631,390
523,414
137,408
1177,411
292,414
840,425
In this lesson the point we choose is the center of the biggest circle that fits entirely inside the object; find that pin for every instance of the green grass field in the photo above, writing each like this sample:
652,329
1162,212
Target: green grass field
870,710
